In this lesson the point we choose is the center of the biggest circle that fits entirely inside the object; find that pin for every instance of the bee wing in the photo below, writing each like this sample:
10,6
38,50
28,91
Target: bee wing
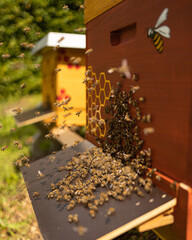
164,31
162,17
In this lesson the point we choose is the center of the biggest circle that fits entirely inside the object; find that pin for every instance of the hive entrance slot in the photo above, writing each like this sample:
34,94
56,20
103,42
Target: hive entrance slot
123,35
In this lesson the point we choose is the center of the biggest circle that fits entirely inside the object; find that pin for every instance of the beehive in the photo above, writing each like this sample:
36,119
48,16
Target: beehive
164,80
67,82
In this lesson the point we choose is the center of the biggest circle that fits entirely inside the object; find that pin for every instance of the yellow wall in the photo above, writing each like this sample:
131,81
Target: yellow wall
69,83
48,66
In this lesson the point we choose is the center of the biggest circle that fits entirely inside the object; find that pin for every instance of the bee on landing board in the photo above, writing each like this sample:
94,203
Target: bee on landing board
156,32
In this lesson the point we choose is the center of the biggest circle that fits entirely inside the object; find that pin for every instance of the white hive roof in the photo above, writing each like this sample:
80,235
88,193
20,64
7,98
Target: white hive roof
51,40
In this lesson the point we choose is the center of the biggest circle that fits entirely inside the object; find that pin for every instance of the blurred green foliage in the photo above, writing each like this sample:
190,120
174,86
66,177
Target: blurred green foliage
40,16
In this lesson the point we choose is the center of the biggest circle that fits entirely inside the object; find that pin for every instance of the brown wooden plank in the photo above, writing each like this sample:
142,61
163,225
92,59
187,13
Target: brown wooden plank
28,117
164,79
52,216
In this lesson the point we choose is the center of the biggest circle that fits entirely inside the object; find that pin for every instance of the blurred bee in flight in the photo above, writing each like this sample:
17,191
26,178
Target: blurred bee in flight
156,32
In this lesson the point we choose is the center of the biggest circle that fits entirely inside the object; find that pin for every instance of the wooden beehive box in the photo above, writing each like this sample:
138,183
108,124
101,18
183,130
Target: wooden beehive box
119,30
66,83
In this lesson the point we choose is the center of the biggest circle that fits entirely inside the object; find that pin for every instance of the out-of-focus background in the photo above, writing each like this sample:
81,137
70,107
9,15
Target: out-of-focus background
17,220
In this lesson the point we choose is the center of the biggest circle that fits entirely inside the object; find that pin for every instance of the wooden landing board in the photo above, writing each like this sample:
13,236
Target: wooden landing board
52,215
29,117
66,136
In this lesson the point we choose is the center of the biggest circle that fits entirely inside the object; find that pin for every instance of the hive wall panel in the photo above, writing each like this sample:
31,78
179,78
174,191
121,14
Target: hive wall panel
165,79
69,84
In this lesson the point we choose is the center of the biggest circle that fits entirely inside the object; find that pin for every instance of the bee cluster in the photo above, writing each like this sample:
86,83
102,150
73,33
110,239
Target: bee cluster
119,168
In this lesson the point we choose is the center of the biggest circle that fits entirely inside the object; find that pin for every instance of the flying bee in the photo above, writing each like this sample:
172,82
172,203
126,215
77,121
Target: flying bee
1,43
37,33
57,70
77,60
89,51
80,29
37,66
47,124
1,126
17,111
66,115
5,56
50,135
13,129
135,88
65,7
60,39
24,44
123,70
156,32
27,29
4,148
78,113
135,77
56,47
149,130
81,6
37,114
30,45
72,59
23,85
21,56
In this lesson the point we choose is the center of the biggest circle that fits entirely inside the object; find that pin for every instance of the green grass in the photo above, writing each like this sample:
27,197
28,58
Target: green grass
11,181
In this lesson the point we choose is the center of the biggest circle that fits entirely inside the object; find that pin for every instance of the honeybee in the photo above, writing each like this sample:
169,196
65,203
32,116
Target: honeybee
4,148
87,72
57,70
78,113
23,85
67,114
65,7
40,174
75,143
135,77
111,211
26,29
81,230
77,60
135,88
37,66
13,129
24,44
64,146
49,135
37,33
1,43
36,194
61,39
47,124
1,126
81,6
21,56
5,56
17,110
89,51
52,158
149,130
37,114
30,46
123,70
80,29
56,47
156,32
